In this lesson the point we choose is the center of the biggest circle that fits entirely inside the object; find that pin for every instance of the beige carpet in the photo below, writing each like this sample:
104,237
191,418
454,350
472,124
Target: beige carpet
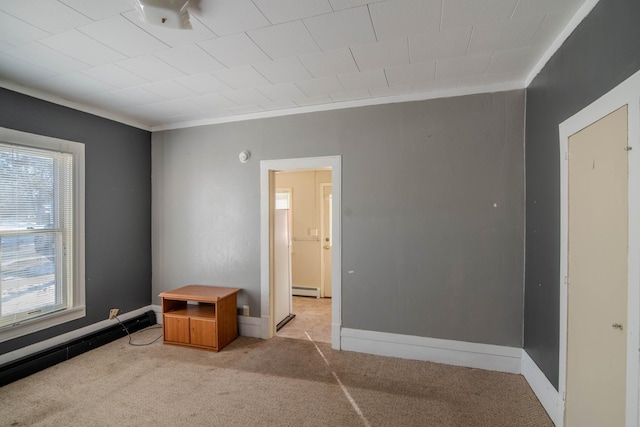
252,382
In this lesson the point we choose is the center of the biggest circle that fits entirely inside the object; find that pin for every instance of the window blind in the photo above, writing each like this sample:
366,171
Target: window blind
36,232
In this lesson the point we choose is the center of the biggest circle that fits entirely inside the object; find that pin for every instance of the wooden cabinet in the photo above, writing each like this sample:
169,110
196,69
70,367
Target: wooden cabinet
200,316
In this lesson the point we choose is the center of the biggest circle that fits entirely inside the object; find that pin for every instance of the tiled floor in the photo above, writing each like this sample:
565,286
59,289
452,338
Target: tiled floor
313,316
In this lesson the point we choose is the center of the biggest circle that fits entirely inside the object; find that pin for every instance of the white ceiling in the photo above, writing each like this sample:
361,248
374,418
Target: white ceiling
250,58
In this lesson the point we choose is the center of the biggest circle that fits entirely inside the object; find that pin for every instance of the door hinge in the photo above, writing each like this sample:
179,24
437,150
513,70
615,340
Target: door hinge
566,155
564,396
566,280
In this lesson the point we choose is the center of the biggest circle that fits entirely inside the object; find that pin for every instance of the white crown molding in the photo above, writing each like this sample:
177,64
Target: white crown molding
72,104
573,23
422,96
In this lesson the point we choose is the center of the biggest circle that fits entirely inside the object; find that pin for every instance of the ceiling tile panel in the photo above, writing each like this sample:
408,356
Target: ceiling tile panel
120,34
282,92
115,76
411,74
72,86
168,108
390,91
249,109
170,36
241,77
284,40
402,18
319,87
341,29
483,80
350,96
518,61
549,29
279,105
16,32
246,97
14,70
347,4
150,68
566,8
45,57
100,9
51,16
373,79
502,36
278,11
203,83
169,90
126,98
79,46
316,100
189,59
234,51
214,101
382,54
462,66
225,17
465,13
439,44
330,62
283,70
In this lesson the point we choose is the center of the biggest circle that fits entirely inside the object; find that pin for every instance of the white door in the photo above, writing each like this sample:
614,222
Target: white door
325,238
282,264
597,274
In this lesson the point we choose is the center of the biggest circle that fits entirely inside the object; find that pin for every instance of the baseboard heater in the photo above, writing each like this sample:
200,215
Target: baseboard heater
304,291
23,367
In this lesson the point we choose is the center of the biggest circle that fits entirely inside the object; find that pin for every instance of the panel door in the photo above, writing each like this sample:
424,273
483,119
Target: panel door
597,274
176,329
203,332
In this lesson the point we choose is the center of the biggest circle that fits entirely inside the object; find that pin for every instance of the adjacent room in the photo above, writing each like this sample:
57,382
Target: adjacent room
419,212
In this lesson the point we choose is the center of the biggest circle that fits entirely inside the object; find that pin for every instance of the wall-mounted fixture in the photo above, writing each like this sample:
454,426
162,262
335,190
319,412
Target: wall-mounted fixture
166,13
244,156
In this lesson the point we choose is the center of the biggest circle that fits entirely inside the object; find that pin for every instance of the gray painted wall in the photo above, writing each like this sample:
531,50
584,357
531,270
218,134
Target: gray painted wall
601,53
433,211
117,205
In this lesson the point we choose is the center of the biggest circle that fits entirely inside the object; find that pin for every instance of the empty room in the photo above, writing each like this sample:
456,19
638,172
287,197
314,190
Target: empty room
320,212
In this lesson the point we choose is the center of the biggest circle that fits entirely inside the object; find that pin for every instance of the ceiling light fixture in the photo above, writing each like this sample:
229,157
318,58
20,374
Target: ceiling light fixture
166,13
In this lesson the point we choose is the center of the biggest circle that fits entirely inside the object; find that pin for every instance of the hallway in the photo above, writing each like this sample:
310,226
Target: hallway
313,315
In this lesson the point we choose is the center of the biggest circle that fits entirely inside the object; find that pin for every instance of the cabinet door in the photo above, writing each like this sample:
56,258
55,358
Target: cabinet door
203,332
176,329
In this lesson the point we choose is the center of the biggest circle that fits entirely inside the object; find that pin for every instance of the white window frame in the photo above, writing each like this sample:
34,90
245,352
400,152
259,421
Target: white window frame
78,308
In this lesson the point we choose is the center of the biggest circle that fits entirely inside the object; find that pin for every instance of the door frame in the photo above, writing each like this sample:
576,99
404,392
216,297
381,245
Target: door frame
267,186
322,257
626,93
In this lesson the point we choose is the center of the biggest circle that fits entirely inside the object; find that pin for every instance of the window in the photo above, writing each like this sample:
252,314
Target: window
41,232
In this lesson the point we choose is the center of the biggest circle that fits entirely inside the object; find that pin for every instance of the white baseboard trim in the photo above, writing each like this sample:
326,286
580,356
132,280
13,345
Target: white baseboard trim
250,326
546,393
157,309
458,353
69,336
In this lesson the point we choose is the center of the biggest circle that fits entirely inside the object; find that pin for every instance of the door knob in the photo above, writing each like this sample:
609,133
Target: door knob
617,326
327,247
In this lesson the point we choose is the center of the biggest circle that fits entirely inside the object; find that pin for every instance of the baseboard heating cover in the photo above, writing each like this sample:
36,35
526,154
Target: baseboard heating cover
304,291
33,363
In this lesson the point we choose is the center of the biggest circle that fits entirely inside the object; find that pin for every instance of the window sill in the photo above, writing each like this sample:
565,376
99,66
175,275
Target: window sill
35,325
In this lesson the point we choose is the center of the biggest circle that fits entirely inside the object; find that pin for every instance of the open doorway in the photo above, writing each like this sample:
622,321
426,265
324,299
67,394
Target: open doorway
302,254
268,170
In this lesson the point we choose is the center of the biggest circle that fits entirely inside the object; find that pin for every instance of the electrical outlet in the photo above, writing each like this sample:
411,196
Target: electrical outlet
245,310
113,313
